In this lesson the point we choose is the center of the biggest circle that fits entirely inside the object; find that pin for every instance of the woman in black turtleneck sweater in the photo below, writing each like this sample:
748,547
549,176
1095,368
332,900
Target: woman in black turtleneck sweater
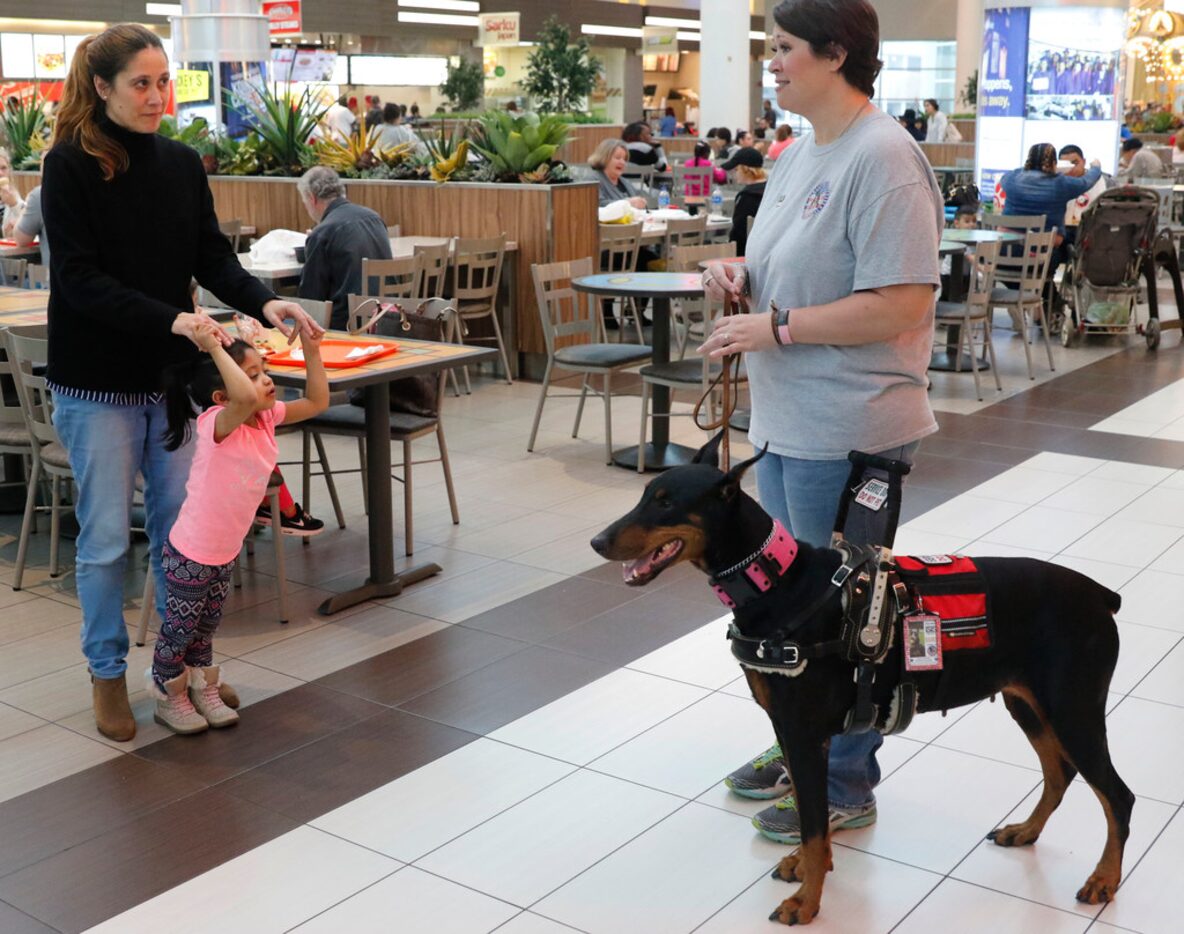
132,221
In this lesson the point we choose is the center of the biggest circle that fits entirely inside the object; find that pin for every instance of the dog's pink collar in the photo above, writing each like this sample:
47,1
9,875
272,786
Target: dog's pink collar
756,574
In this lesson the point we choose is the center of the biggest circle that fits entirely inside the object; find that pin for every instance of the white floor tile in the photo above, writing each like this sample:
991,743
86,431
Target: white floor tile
530,923
1166,683
672,878
1125,542
935,808
1072,464
864,893
1125,426
1159,506
1094,495
290,878
985,549
718,796
1146,749
536,846
14,722
914,541
1041,528
1142,648
989,731
702,657
928,726
466,595
1147,900
589,722
1105,573
411,901
39,756
1154,598
968,909
1133,473
423,810
1171,560
694,749
1057,865
967,516
1023,485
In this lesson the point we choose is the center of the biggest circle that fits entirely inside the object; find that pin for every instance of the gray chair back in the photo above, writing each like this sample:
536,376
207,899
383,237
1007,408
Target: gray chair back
477,269
391,278
433,267
688,258
26,349
619,245
38,276
567,316
12,272
232,230
1032,223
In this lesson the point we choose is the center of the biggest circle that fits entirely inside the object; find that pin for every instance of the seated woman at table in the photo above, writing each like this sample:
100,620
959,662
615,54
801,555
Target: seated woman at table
1038,188
749,168
11,203
610,160
639,143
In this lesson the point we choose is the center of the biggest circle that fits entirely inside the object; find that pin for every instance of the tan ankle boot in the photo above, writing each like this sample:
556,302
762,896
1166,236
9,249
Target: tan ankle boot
228,694
113,713
203,691
173,707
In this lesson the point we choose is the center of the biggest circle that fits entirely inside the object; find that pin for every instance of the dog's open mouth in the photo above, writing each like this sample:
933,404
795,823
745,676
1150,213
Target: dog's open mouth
643,570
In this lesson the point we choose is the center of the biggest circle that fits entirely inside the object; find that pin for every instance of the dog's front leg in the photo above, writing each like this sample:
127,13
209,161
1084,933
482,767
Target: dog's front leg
807,767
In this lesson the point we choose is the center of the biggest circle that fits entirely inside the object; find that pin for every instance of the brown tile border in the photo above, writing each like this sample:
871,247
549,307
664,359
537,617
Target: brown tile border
13,921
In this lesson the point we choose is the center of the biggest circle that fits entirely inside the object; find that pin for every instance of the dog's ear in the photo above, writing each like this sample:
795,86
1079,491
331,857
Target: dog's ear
709,453
730,486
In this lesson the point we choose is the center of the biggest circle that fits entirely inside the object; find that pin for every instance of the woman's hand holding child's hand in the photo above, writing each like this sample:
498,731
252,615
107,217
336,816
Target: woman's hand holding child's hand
187,324
207,335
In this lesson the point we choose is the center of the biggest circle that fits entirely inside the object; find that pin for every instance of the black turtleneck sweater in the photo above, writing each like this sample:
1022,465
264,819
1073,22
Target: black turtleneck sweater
124,252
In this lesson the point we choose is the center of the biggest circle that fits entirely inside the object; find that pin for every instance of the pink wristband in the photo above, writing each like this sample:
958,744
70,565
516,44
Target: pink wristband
783,335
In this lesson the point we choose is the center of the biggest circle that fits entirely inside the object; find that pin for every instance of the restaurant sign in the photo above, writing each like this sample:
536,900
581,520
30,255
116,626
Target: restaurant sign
192,86
659,40
283,17
499,29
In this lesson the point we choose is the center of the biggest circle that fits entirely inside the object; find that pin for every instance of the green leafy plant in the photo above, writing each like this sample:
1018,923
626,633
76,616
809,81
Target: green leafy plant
465,85
519,148
237,157
1164,122
283,123
360,153
969,95
23,121
447,157
560,72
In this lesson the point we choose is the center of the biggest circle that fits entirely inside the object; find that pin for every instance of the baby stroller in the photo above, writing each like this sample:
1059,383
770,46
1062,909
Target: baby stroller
1116,244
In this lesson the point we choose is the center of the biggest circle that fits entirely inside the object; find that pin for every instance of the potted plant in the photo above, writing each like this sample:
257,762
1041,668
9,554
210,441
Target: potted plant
283,124
519,149
559,72
23,121
464,86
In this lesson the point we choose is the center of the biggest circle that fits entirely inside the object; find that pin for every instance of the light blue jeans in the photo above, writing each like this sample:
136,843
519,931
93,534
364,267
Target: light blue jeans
804,495
108,445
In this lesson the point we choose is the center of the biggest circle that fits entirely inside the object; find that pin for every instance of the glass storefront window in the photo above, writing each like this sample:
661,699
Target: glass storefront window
913,71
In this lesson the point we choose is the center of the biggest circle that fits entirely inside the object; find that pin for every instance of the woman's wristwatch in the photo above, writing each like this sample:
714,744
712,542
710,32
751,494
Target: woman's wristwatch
779,319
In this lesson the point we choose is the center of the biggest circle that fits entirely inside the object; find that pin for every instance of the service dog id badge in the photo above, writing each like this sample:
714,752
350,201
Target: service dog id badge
873,495
922,642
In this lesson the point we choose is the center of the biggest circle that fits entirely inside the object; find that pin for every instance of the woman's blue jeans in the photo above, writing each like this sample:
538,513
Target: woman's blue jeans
108,445
804,495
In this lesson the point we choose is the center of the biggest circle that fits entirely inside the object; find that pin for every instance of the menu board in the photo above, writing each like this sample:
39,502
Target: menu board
292,64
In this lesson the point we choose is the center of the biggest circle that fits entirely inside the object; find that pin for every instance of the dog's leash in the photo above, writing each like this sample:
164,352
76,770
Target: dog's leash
725,381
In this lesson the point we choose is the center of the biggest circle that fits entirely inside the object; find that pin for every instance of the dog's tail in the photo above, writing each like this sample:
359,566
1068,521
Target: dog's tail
1113,600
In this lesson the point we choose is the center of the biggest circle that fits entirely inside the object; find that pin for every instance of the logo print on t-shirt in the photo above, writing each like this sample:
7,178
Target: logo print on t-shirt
816,200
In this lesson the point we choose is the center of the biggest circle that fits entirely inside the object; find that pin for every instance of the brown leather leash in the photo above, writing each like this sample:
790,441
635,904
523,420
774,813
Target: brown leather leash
729,375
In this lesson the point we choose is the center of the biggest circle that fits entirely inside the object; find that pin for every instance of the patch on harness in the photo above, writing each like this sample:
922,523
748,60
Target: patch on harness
951,588
873,495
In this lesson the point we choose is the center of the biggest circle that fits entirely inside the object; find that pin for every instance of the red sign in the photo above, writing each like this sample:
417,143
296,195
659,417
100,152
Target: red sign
283,16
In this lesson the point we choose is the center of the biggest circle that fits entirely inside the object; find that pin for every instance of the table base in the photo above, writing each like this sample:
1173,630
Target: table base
657,456
377,591
947,362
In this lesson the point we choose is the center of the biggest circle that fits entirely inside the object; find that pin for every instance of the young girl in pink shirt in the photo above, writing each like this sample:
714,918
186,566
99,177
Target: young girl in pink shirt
702,157
234,457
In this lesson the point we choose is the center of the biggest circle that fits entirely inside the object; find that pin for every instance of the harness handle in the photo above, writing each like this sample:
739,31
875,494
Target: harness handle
861,463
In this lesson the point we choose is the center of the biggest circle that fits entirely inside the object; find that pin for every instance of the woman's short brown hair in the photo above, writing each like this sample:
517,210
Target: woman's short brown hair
834,26
604,152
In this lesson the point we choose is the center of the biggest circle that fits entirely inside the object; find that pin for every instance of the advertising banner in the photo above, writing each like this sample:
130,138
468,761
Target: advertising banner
1005,45
283,16
499,29
191,86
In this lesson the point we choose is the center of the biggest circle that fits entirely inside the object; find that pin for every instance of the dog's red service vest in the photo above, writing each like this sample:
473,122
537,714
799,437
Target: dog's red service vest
950,587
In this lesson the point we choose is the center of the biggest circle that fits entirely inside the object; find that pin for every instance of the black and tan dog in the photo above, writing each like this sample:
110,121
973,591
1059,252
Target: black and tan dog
1052,651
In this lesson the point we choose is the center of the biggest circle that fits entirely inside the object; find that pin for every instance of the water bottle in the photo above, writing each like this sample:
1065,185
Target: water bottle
717,201
663,198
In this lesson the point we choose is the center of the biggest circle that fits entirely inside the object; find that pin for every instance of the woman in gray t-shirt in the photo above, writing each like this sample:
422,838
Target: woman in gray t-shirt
845,245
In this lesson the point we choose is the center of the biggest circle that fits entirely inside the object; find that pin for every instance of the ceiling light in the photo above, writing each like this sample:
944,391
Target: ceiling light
689,36
757,36
162,9
439,19
629,32
671,21
462,6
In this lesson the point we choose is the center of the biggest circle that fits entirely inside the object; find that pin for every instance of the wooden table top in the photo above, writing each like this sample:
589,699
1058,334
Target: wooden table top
23,306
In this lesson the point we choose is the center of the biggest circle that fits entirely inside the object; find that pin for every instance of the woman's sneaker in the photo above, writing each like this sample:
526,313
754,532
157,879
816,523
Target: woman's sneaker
173,707
782,823
762,778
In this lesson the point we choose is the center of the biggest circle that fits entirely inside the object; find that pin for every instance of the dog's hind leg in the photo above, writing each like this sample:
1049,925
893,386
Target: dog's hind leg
1058,773
807,765
1082,732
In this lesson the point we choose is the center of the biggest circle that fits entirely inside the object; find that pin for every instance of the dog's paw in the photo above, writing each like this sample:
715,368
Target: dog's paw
794,911
1014,835
790,868
1098,888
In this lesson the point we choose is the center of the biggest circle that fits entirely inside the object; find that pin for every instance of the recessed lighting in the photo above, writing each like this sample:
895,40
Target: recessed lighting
628,32
439,19
671,21
162,9
462,6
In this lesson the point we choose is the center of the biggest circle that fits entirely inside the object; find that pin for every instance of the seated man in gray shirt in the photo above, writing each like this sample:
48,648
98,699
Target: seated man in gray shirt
344,235
31,226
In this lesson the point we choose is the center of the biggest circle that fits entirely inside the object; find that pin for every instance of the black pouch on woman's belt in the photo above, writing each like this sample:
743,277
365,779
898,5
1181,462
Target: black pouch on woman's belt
413,395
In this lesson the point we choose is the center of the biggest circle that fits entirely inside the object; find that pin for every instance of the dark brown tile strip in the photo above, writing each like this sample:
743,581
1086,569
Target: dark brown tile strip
103,877
541,615
13,921
321,776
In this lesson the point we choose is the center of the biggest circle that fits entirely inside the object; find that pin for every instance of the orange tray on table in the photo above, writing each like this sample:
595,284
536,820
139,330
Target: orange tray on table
335,353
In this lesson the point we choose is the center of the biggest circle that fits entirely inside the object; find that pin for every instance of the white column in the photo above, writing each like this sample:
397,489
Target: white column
725,90
970,48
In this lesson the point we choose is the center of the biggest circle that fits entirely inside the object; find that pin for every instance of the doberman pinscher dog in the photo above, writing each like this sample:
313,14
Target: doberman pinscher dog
1053,648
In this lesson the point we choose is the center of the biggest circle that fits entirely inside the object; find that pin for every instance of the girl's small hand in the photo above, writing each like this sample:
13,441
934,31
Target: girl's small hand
311,344
725,280
279,312
734,334
187,324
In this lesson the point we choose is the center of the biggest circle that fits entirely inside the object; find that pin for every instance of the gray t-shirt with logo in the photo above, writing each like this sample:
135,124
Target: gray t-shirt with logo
860,213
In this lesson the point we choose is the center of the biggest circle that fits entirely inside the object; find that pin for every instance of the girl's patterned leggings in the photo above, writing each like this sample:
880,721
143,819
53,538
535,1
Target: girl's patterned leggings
194,600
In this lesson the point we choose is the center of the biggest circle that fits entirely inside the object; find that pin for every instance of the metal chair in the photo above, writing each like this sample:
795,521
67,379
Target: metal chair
689,313
389,278
15,439
29,347
1027,272
12,272
975,311
573,329
434,260
694,181
38,276
1029,223
477,273
232,230
619,246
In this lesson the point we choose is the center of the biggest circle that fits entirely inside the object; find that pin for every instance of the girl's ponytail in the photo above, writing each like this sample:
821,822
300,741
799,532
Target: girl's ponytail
178,403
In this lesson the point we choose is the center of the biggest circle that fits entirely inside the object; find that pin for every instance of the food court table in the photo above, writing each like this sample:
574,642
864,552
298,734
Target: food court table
415,358
661,453
9,250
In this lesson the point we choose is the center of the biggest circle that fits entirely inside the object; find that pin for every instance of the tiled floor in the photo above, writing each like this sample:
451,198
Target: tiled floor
524,744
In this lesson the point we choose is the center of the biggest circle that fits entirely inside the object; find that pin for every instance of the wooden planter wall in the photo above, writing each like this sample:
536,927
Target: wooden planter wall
550,223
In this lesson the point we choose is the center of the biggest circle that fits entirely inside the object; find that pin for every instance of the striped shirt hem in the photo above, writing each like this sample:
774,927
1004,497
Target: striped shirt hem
107,398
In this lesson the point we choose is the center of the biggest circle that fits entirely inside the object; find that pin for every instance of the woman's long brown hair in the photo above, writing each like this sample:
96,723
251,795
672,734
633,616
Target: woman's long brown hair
104,55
